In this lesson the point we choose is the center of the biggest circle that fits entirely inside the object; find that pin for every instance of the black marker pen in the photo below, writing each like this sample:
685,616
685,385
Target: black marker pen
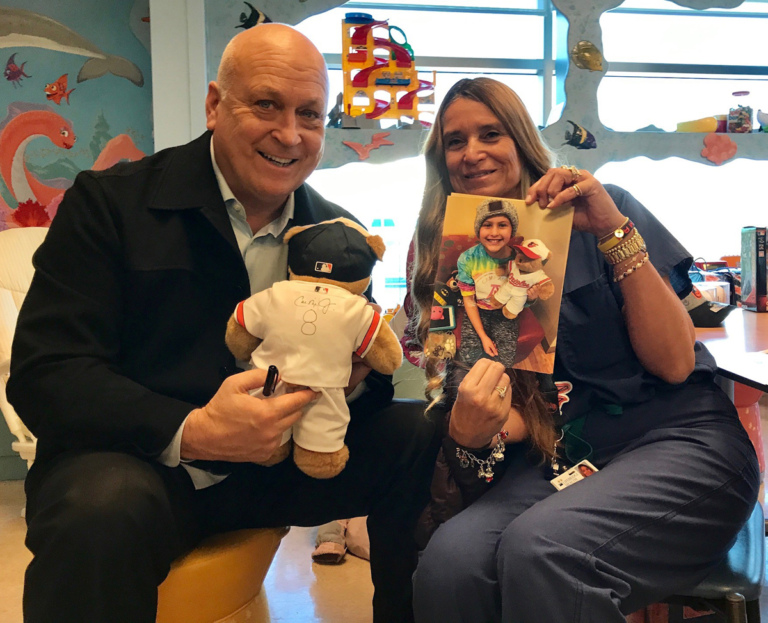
271,382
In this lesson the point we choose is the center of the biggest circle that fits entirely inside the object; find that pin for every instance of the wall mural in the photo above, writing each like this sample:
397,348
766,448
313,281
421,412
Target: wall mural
76,95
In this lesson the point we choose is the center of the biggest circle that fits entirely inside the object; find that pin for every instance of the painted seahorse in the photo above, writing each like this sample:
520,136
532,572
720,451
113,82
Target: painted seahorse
15,136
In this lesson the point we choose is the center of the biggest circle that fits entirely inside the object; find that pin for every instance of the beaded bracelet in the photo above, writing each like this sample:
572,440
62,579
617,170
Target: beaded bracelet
632,268
466,458
631,259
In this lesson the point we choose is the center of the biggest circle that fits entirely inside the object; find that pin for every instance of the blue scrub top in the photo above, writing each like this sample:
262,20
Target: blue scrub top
593,352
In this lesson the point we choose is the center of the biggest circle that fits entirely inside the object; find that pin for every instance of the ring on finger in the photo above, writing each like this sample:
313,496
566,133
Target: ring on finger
575,173
577,189
502,390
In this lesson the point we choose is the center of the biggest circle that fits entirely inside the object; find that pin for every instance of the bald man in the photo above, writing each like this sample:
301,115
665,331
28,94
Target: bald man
148,437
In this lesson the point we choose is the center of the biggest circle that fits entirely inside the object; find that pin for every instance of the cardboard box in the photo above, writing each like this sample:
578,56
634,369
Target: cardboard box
753,269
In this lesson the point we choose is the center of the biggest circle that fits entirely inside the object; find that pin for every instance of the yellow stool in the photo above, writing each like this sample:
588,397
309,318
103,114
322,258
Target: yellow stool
221,580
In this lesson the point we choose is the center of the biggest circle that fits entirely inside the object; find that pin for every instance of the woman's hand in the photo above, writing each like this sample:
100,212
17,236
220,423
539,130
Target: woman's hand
482,407
660,329
594,210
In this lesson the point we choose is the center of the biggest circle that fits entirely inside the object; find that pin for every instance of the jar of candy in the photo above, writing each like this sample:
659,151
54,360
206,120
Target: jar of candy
740,118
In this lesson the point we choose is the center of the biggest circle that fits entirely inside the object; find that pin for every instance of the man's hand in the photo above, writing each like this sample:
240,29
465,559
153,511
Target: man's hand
235,426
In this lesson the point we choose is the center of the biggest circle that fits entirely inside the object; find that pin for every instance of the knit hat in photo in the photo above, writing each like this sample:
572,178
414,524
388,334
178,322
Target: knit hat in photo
495,207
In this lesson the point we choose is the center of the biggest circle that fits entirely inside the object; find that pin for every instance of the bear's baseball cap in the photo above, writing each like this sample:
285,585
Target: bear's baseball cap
331,250
495,207
534,249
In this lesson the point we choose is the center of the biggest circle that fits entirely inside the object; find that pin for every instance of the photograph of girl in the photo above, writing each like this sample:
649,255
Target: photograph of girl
508,260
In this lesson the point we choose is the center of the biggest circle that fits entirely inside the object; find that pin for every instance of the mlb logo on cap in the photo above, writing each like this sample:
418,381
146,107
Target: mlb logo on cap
323,267
534,249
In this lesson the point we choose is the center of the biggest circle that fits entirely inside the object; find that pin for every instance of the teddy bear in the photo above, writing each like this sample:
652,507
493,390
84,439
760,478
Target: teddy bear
309,326
525,273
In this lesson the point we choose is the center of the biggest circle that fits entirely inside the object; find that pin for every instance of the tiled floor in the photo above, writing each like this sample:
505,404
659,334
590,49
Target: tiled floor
298,590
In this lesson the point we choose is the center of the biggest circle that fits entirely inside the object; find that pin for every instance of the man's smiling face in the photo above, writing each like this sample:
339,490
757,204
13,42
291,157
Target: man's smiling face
268,122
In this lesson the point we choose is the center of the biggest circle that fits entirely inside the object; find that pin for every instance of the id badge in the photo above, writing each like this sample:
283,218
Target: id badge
580,471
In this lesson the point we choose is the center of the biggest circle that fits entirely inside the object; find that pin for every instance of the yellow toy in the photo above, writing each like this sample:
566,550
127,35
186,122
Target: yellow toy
706,124
380,86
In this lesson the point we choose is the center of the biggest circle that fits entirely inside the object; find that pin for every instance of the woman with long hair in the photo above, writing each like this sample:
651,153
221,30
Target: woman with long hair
676,473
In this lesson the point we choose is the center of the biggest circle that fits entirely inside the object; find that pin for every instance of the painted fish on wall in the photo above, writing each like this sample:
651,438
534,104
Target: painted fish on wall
580,137
255,18
586,55
57,91
13,73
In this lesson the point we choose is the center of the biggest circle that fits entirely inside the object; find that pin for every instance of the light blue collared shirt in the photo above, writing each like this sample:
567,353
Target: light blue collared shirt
264,254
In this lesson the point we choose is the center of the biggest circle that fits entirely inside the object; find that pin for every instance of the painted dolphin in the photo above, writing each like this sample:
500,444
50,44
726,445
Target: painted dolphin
20,28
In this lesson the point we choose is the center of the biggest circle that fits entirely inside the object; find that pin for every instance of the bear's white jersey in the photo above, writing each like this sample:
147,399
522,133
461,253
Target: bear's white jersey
309,331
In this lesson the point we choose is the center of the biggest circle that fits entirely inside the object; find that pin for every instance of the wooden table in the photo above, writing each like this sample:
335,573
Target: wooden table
738,347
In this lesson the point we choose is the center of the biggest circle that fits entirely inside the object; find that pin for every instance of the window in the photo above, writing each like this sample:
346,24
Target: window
386,198
666,64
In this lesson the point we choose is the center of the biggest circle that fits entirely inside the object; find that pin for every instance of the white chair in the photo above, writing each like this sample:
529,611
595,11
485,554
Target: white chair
16,249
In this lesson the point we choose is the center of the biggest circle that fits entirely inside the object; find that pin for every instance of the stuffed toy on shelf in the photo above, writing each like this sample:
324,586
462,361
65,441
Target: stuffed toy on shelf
309,327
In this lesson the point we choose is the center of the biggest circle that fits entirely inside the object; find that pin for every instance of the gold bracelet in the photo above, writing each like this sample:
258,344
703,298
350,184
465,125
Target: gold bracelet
631,269
613,233
618,235
617,268
614,241
624,256
626,249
